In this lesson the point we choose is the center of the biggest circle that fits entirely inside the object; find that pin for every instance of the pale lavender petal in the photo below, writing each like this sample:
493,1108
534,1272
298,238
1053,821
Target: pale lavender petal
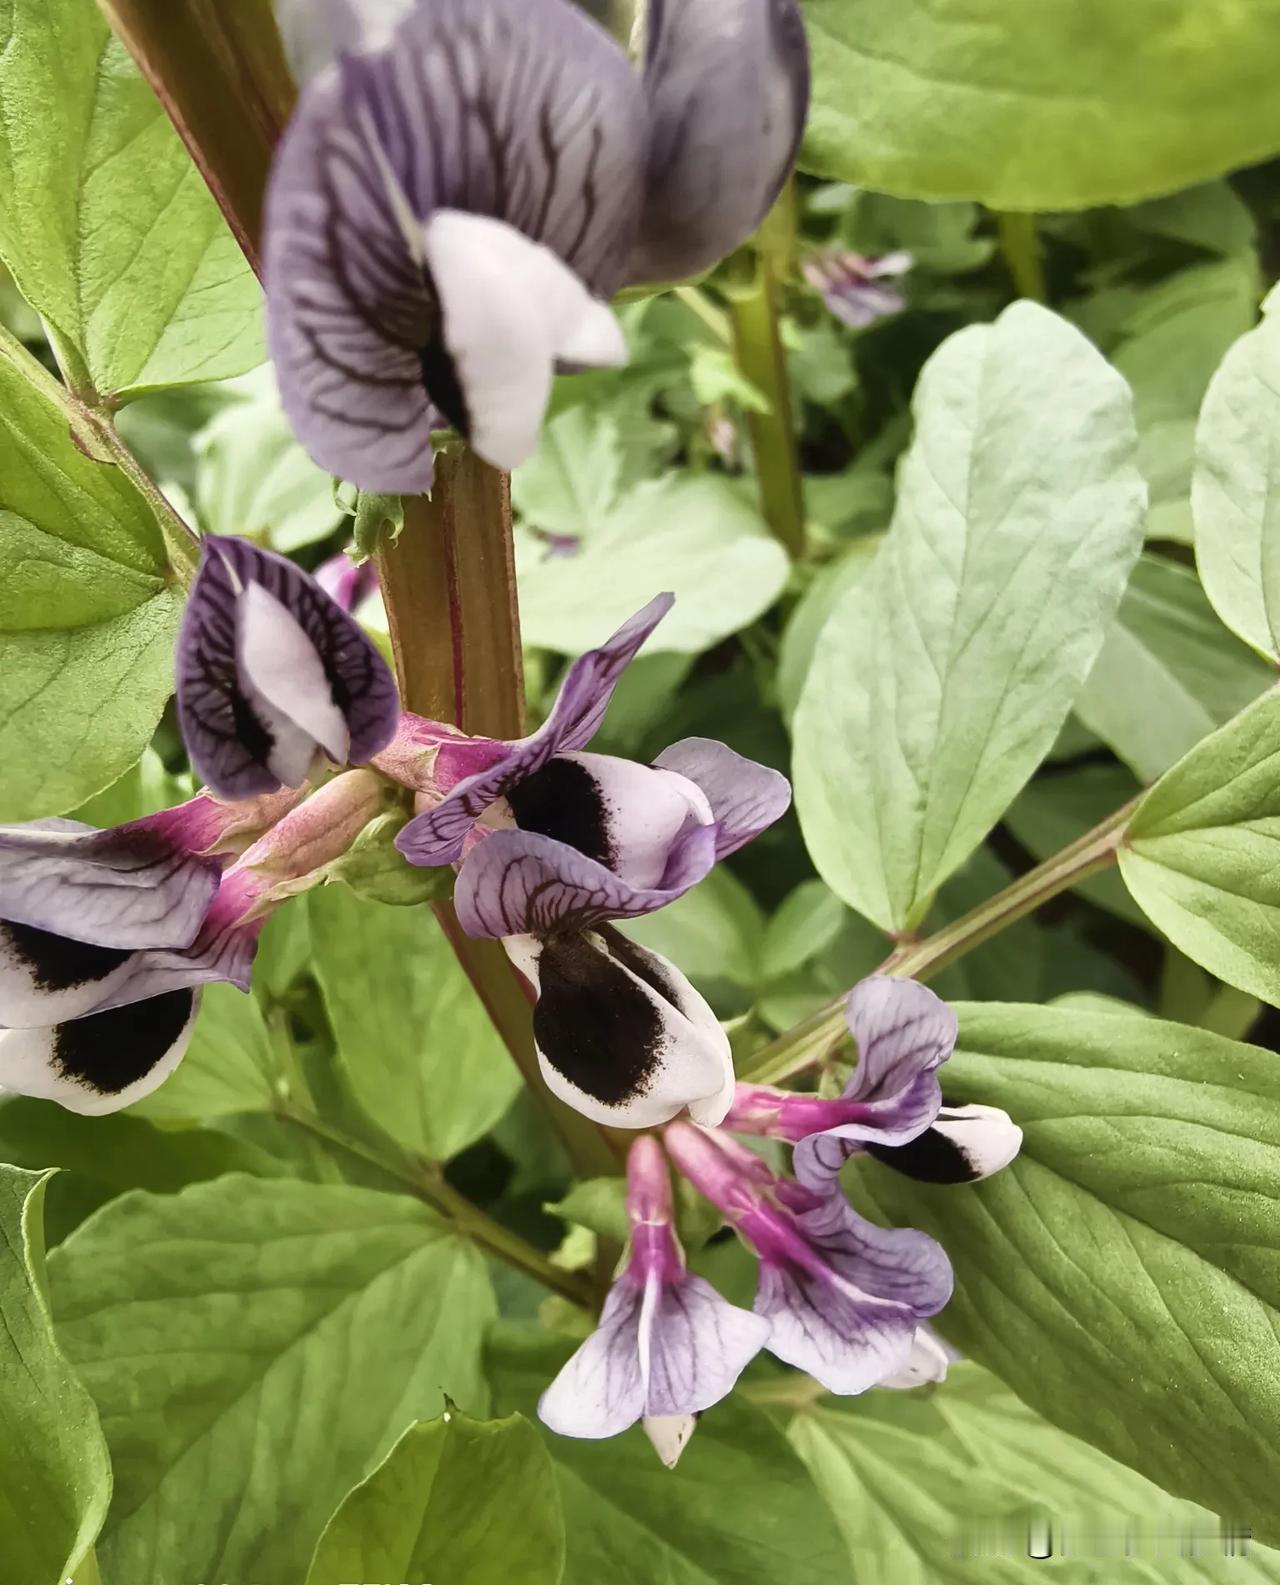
132,886
661,1349
233,708
698,1345
102,1062
621,1035
600,1391
745,798
624,815
848,1316
852,286
222,954
728,89
963,1144
522,111
438,835
347,583
904,1033
516,883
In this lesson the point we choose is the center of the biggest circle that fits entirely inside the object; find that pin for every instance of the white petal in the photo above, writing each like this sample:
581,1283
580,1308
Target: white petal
45,978
928,1361
510,309
284,677
669,1434
600,1391
984,1137
104,1062
655,1052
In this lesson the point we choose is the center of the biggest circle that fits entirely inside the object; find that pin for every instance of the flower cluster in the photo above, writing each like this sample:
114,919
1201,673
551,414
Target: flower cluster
466,185
838,1297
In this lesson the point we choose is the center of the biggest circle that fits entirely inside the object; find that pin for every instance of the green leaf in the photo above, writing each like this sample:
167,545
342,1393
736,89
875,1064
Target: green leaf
417,1046
1235,492
715,377
820,599
254,1347
254,478
1032,110
88,615
455,1499
1122,1275
229,1067
740,1508
956,1486
692,533
1199,854
107,226
570,485
375,869
942,677
55,1476
1169,672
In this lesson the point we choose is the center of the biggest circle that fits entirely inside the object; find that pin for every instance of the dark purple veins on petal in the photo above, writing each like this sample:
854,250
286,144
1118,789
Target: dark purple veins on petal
523,110
592,1022
228,742
109,1051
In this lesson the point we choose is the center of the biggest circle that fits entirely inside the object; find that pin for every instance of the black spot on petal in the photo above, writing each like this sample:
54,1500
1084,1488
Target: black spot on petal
929,1158
108,1052
562,800
56,962
594,1024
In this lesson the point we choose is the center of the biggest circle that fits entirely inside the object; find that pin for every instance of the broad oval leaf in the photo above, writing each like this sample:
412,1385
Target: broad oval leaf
418,1049
455,1499
1235,489
55,1475
1200,852
106,225
1123,1275
1040,107
88,613
964,1485
693,533
942,677
254,1347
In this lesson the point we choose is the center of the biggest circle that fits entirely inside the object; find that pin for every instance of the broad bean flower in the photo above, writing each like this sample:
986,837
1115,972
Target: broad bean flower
667,1344
857,290
554,844
107,936
274,674
466,185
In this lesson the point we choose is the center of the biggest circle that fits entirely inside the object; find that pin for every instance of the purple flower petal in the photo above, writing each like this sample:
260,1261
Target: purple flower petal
847,1312
270,670
851,285
622,1036
128,887
745,798
660,1349
517,883
904,1033
46,977
964,1143
927,1363
728,89
103,1062
437,836
523,112
346,583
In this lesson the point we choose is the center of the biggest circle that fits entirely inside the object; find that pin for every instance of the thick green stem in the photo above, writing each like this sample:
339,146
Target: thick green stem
762,359
1021,248
809,1042
426,1181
